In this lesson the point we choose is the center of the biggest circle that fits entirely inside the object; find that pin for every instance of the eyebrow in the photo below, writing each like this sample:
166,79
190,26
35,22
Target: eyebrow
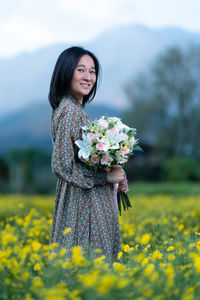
84,66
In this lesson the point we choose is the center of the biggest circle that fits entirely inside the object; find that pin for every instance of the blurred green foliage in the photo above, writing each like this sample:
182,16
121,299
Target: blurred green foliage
180,169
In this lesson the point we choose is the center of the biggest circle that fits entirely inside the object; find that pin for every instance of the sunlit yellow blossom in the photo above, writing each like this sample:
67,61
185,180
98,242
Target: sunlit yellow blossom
122,282
35,245
145,238
54,293
28,297
157,255
191,245
119,267
139,257
99,260
119,255
154,276
19,221
126,248
74,295
162,265
170,248
37,267
67,230
77,257
8,238
147,247
171,257
145,261
37,282
180,227
62,252
52,256
90,279
198,246
25,276
197,263
149,269
106,283
67,264
53,246
97,251
169,271
148,293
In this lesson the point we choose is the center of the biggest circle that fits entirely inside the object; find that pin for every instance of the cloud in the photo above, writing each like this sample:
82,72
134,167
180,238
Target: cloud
26,25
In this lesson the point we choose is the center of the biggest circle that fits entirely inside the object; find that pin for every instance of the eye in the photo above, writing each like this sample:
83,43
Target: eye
93,72
80,70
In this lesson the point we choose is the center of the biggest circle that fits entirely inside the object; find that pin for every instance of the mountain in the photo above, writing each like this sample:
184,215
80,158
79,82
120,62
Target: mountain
123,52
31,126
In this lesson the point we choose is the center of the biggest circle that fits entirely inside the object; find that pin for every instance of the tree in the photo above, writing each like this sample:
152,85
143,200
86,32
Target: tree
165,102
30,171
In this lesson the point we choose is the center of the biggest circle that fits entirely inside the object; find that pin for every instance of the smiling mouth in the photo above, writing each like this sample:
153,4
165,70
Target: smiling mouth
85,85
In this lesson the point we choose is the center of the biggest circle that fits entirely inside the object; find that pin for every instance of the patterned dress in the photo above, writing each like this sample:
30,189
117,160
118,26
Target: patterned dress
84,200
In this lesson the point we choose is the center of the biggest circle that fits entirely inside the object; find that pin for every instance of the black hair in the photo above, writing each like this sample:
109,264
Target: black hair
63,73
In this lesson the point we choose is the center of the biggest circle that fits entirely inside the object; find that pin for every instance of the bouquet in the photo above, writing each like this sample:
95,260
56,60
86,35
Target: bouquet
107,143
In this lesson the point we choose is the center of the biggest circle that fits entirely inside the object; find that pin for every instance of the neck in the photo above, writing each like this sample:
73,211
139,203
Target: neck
79,99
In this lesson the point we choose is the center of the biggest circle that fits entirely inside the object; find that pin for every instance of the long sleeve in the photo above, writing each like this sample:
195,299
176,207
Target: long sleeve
64,165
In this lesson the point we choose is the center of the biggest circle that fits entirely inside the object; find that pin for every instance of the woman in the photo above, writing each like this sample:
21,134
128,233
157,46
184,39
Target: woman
84,200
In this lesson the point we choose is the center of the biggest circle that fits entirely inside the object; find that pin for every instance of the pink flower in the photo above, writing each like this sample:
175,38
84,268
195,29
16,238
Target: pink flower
91,136
112,129
124,151
105,160
103,123
94,159
100,146
132,140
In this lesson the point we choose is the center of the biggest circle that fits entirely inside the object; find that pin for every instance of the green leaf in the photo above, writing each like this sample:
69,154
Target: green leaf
138,148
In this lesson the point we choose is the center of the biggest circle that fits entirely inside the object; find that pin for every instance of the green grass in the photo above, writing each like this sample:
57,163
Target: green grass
168,188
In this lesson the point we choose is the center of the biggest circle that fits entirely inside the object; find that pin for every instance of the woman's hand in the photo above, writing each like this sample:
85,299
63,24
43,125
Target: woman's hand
123,187
116,175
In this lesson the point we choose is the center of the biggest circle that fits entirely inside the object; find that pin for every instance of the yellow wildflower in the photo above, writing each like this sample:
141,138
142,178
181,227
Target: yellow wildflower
106,283
37,267
157,255
99,260
25,276
197,263
180,227
90,279
149,269
119,255
67,230
170,248
36,245
169,271
145,238
126,248
77,257
145,261
122,282
118,267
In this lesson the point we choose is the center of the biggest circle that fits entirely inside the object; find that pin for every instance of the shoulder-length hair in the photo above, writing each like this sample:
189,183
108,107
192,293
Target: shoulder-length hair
63,73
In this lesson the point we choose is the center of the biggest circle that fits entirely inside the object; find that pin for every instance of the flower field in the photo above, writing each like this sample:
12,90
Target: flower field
160,256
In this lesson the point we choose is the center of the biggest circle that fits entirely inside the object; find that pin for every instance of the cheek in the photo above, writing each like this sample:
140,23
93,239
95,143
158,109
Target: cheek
94,79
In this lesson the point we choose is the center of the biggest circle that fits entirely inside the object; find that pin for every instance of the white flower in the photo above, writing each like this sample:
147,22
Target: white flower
85,146
102,123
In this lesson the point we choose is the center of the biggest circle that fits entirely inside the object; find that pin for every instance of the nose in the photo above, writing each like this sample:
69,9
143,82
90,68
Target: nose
87,76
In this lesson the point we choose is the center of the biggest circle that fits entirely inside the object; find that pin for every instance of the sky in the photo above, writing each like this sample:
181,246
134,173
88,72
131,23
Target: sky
27,25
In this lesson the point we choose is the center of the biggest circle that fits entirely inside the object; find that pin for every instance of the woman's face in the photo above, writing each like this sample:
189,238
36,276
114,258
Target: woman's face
84,78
